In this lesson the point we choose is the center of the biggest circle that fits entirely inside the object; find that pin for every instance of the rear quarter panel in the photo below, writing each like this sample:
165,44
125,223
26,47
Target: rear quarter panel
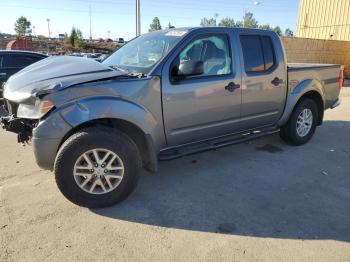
303,78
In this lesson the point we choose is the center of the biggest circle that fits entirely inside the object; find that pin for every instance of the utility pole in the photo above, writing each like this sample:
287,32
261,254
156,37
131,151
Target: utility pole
90,23
138,18
34,30
48,26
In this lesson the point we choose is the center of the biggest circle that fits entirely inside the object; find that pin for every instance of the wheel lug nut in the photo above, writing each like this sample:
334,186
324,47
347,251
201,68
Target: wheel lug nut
105,171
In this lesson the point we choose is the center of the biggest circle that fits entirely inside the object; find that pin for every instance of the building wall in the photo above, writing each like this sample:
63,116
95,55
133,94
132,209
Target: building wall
324,19
303,50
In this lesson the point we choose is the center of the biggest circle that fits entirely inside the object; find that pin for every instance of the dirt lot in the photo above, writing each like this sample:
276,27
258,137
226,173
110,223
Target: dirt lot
260,201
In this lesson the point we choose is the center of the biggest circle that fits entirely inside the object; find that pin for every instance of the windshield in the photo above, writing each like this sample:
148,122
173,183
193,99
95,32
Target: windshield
144,52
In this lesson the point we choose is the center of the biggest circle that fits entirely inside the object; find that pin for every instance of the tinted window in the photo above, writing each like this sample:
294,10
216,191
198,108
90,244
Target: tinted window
18,60
269,53
252,53
213,51
258,53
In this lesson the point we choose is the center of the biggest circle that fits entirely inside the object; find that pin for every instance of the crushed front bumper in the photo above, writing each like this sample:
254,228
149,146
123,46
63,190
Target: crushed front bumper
22,127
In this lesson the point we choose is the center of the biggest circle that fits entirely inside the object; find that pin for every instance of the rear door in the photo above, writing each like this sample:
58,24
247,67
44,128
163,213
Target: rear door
207,105
264,80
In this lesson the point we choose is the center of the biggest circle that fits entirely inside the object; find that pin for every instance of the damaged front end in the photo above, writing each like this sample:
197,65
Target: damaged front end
22,127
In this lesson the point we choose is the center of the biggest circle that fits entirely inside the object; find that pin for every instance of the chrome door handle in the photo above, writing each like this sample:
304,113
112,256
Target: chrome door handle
231,87
277,81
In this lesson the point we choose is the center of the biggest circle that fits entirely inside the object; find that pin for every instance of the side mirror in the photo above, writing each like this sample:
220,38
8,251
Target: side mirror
191,68
185,69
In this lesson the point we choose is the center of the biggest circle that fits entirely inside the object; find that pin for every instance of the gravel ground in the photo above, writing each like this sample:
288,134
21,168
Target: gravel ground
259,201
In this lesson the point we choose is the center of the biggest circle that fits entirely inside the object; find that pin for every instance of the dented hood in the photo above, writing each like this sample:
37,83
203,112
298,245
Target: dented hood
54,74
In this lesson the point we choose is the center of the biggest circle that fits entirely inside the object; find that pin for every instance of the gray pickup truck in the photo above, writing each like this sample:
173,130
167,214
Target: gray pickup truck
163,95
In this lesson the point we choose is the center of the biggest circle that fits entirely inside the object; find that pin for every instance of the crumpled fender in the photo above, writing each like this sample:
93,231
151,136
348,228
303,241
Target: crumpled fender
95,108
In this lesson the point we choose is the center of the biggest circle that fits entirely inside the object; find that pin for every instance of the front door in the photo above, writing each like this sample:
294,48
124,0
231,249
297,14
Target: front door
207,105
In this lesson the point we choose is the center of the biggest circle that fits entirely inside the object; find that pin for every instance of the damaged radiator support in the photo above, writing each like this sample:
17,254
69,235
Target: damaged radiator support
22,127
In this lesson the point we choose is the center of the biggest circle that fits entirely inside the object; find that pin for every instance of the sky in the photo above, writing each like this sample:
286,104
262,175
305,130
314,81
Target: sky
118,16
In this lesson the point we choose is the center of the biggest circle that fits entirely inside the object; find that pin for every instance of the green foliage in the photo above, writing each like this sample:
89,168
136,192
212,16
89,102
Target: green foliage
170,26
265,27
22,26
66,39
75,39
278,30
155,26
227,22
208,22
289,32
249,21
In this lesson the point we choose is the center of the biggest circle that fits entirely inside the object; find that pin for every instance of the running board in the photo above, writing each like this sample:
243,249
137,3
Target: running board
207,145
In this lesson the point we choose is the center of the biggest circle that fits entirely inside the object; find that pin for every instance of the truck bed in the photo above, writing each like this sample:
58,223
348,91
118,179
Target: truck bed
306,66
327,75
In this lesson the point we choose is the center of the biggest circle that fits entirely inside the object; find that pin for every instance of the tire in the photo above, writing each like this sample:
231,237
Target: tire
122,153
290,134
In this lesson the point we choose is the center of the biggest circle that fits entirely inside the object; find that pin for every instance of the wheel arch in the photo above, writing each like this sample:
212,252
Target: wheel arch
143,141
131,118
311,89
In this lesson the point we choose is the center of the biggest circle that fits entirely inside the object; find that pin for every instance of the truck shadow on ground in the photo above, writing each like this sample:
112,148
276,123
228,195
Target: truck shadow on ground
262,189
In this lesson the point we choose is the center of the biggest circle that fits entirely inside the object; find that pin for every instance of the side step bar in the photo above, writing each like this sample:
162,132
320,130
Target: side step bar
207,145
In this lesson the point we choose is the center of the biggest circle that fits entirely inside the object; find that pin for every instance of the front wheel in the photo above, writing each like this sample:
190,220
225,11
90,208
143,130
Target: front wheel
302,124
97,167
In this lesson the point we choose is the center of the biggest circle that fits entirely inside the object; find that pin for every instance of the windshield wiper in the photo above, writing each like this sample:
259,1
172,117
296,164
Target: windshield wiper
128,72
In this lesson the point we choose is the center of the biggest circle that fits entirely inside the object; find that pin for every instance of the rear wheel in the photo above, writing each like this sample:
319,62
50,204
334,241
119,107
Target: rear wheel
97,167
302,123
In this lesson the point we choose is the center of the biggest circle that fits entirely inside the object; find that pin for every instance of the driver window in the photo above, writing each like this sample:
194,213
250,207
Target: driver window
213,51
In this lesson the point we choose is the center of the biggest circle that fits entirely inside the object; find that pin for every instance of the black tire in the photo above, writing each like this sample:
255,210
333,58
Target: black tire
289,133
89,139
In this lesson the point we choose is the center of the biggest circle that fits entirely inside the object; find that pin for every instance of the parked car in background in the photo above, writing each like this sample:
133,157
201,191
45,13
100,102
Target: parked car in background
163,95
102,57
120,40
13,61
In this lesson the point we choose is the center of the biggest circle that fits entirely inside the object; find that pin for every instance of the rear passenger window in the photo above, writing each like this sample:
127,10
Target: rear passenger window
268,52
258,53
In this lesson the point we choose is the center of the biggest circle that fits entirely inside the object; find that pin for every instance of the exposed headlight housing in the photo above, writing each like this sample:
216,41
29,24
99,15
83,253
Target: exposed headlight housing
37,111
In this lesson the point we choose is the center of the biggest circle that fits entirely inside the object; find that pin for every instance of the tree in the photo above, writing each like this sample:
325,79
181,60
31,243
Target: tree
155,25
22,26
227,22
249,21
75,38
66,39
289,32
265,27
170,26
209,21
278,30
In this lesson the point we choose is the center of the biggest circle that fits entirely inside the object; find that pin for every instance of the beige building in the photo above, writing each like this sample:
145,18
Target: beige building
324,19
